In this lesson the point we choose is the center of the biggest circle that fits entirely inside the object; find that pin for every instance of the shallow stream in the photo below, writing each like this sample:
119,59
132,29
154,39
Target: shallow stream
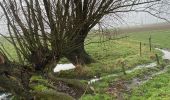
166,56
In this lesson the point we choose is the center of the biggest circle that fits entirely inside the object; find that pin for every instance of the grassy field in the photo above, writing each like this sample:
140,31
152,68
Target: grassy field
159,38
6,46
109,57
156,88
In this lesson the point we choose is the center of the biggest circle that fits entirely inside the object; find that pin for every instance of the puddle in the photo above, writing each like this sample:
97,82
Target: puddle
166,53
98,79
128,71
135,82
62,67
94,80
150,65
3,97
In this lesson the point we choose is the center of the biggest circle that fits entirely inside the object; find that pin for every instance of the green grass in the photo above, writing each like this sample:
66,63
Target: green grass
158,88
128,49
6,46
109,56
159,38
102,86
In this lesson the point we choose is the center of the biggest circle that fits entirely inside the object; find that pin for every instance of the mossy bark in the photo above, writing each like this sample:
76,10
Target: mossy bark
79,55
52,95
16,79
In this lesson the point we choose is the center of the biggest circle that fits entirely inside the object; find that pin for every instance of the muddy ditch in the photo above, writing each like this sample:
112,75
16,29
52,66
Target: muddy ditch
121,86
166,57
117,87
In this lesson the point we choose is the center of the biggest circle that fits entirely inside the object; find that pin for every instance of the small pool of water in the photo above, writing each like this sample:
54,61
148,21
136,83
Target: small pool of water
62,67
3,97
166,53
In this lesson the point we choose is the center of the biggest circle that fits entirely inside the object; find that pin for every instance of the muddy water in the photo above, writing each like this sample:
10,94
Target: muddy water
135,82
127,86
4,97
166,54
128,71
150,65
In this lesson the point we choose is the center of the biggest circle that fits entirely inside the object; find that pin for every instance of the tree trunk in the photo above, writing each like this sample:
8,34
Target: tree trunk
79,55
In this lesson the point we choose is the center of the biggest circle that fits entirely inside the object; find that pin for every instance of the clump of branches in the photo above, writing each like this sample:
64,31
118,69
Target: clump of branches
43,31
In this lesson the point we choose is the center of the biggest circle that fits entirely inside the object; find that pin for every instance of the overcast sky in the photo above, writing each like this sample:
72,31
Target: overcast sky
128,19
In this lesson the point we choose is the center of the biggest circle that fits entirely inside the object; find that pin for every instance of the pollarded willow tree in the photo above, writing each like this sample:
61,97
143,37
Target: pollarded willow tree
60,26
43,31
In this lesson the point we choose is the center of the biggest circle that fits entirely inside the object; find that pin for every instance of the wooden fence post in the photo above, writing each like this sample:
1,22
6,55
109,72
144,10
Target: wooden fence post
157,59
140,49
123,68
150,43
